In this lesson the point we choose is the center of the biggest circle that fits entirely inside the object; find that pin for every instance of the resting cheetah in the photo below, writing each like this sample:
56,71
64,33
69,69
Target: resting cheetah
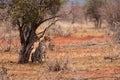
40,52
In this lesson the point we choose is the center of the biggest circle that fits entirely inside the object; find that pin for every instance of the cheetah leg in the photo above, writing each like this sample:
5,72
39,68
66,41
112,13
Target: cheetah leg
44,56
32,58
39,59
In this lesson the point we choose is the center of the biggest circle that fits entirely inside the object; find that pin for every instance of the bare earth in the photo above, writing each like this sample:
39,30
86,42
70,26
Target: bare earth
86,55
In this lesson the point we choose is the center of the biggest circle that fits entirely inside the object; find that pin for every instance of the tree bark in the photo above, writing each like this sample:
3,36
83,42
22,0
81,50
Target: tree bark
25,54
27,39
98,23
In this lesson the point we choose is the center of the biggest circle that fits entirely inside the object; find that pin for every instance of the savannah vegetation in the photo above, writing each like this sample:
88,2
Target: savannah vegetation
83,44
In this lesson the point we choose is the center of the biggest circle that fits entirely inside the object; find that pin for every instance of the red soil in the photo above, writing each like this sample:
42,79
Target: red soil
14,42
67,40
107,71
61,40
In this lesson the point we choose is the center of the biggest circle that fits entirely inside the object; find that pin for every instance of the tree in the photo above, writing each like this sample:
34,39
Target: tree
72,12
3,11
75,12
111,11
5,23
92,10
28,15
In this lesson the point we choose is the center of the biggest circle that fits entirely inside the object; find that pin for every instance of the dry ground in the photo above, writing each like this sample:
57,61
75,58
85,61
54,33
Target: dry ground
85,51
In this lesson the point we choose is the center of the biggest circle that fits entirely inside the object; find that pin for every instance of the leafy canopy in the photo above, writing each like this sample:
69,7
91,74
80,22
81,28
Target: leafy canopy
33,11
93,7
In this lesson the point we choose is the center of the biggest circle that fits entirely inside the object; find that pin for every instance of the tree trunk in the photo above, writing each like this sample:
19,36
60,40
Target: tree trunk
98,23
25,54
73,20
27,38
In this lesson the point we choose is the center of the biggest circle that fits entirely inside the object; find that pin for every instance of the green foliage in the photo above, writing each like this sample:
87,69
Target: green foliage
92,8
28,15
33,10
2,6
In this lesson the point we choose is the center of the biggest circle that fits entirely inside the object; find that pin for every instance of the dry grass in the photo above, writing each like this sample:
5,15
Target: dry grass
78,58
84,63
59,64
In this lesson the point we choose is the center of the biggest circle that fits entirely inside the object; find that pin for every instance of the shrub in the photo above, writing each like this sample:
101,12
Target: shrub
59,64
3,73
62,30
116,36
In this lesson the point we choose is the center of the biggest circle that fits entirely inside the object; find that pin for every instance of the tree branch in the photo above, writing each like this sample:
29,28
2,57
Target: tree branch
40,22
43,32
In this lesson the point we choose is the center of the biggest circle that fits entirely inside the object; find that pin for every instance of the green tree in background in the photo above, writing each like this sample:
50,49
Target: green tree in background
92,11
